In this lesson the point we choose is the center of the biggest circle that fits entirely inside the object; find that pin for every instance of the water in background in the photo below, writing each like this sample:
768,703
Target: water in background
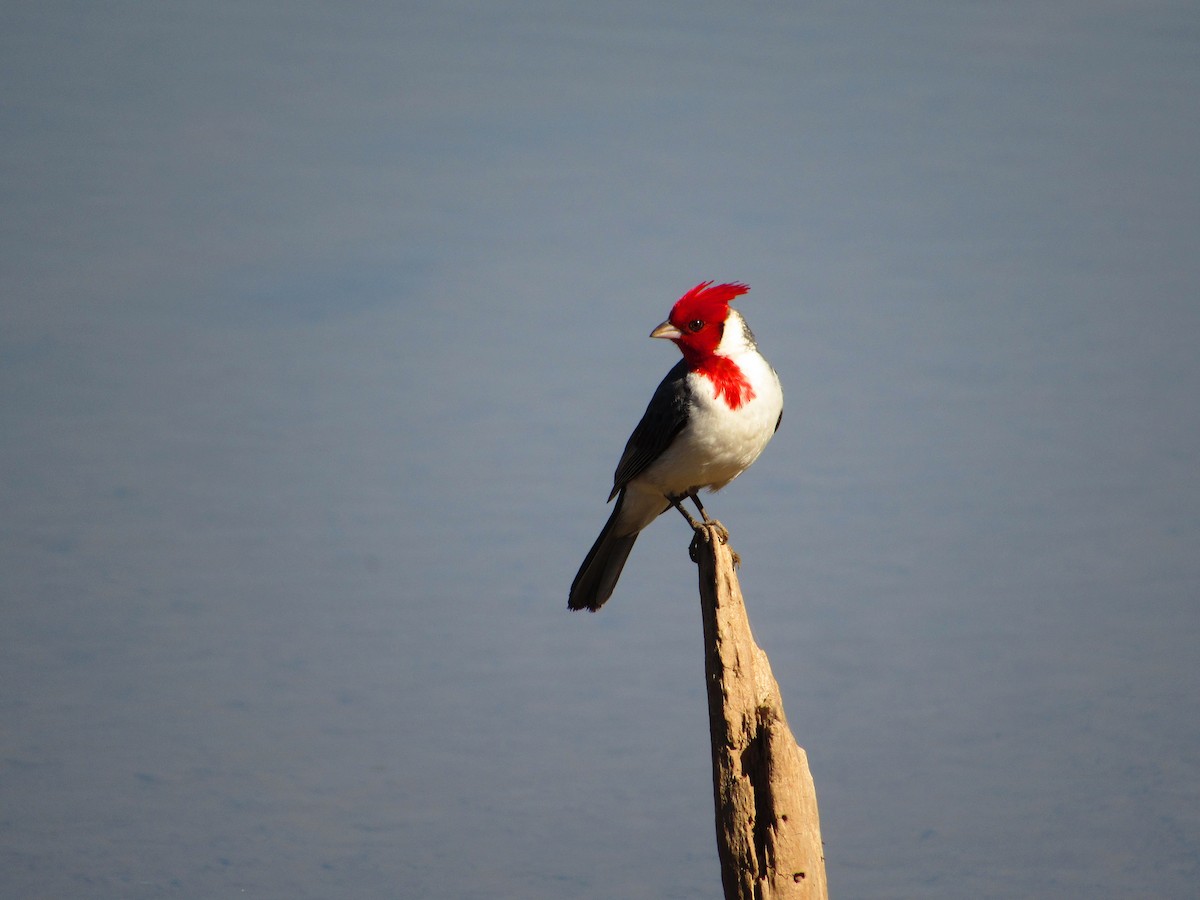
322,328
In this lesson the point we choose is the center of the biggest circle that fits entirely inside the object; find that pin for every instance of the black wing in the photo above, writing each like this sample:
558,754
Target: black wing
664,418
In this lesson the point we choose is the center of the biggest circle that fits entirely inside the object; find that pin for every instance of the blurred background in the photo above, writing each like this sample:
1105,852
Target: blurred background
322,327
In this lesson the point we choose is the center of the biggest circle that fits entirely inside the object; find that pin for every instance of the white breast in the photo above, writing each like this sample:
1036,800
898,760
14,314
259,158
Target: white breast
719,443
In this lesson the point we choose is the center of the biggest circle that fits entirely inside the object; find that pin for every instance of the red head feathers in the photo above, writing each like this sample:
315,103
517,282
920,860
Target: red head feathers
705,302
699,318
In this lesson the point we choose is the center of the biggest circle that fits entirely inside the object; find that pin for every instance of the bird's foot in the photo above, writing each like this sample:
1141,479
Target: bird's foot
722,531
701,536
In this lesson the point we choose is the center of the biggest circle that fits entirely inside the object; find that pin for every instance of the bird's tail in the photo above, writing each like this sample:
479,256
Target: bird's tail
603,564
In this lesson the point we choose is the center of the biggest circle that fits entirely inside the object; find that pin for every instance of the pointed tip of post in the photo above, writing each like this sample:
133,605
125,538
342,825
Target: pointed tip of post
717,563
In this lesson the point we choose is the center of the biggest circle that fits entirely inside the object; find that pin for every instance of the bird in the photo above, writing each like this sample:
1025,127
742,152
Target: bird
711,416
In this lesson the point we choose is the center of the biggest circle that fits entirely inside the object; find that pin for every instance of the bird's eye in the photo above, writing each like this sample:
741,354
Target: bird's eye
695,325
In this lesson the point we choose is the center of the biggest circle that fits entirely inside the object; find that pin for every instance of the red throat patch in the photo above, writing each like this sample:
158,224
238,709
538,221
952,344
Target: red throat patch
729,382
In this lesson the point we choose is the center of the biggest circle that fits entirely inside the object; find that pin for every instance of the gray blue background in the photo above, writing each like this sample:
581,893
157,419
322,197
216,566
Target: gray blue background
322,327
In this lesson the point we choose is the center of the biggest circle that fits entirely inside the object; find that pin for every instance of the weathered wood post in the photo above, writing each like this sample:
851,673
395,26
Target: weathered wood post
768,830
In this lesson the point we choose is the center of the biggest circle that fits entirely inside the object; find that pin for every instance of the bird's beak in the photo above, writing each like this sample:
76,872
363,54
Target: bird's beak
666,330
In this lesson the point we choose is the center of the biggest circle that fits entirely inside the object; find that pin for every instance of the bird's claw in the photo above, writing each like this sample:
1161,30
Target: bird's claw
721,530
701,536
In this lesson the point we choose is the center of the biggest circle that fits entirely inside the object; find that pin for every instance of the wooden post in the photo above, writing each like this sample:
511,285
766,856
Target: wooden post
768,831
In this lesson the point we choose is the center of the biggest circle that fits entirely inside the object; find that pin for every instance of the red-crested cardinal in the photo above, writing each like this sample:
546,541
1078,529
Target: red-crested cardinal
708,421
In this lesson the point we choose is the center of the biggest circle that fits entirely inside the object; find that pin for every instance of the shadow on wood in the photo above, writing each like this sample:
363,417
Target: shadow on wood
768,830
